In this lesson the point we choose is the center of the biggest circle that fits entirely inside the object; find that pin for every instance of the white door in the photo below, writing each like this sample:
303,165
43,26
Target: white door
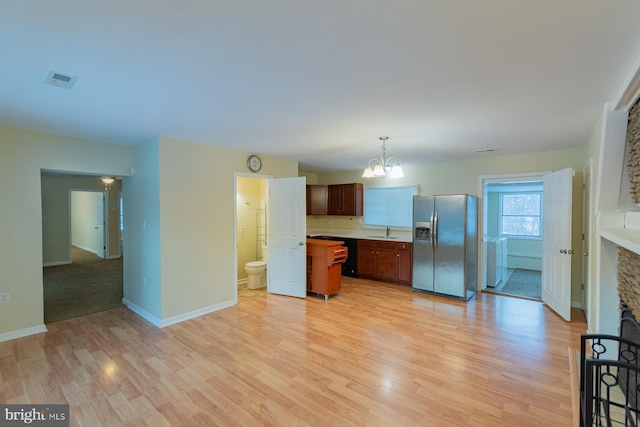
556,241
100,228
287,229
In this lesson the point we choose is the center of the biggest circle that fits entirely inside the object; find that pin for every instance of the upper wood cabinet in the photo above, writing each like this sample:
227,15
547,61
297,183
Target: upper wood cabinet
317,199
345,199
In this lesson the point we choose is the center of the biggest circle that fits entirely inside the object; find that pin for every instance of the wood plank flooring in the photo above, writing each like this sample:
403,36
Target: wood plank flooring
378,355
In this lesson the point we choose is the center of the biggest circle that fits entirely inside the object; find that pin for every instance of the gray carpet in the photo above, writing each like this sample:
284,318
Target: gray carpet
525,283
88,285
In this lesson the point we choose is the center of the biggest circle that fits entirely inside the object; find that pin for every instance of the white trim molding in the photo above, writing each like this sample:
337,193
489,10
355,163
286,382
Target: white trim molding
631,88
20,333
161,323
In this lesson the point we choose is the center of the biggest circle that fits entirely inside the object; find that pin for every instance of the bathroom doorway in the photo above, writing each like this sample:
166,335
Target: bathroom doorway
251,236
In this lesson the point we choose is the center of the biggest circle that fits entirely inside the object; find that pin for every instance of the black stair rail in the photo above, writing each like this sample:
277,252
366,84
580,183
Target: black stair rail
610,375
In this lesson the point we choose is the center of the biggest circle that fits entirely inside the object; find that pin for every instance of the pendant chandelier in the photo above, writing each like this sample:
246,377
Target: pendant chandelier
383,166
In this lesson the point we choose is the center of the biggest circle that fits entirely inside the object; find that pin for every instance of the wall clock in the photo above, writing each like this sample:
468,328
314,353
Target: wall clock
254,163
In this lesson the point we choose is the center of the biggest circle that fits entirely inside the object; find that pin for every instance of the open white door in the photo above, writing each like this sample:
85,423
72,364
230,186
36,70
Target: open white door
556,241
287,228
100,227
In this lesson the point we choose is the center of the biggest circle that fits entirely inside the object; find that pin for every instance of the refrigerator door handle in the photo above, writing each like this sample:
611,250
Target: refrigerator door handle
431,232
434,231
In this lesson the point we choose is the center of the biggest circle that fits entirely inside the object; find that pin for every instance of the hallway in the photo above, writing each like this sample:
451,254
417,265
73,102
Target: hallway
88,285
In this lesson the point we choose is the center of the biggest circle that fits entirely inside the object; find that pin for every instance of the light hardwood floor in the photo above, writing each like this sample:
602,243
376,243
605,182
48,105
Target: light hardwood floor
378,355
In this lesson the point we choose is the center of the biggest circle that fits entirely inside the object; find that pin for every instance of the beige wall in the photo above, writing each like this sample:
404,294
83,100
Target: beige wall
179,217
462,177
179,213
184,248
23,154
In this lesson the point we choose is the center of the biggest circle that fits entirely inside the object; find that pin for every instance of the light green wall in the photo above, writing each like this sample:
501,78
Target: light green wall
141,263
55,215
23,154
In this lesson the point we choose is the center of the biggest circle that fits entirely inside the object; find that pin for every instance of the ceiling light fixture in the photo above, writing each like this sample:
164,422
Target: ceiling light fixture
107,181
383,166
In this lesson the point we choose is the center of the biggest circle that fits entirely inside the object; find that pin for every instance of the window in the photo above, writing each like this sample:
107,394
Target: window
389,207
521,214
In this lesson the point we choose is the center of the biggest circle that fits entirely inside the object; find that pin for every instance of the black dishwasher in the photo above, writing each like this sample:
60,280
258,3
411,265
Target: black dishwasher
350,266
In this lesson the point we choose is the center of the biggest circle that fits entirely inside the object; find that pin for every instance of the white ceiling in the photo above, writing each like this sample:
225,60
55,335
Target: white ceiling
320,81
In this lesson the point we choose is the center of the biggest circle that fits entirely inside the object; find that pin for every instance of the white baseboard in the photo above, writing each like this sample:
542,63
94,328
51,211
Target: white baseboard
20,333
53,264
84,248
142,313
161,323
243,281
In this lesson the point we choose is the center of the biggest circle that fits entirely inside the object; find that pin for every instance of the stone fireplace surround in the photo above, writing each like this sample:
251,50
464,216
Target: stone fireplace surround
628,261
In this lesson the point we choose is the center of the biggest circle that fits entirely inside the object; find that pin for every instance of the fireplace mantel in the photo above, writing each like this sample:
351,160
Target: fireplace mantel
623,229
625,237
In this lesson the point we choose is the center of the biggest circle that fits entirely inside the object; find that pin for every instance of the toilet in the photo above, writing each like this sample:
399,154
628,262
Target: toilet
256,272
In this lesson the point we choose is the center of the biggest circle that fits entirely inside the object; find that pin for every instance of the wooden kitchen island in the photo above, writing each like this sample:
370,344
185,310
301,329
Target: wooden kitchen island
324,269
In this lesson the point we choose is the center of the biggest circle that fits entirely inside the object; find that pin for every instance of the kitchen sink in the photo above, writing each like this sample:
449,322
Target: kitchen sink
383,237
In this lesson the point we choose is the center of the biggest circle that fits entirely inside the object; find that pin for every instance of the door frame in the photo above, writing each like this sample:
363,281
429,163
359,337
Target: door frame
105,217
236,175
482,213
587,214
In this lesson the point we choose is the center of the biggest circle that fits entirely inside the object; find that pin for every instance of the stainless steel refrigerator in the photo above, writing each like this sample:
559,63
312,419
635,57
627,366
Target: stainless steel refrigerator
445,245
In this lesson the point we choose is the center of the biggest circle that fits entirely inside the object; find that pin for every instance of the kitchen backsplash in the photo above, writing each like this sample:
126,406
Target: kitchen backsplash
334,221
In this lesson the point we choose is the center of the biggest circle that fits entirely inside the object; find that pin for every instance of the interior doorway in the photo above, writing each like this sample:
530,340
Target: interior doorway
82,259
251,236
512,235
88,222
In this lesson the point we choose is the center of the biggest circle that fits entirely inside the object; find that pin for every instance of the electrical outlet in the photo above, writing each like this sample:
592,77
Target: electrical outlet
5,297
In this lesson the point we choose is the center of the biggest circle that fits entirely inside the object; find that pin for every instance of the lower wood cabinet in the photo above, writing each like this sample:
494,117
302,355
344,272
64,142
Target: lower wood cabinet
385,261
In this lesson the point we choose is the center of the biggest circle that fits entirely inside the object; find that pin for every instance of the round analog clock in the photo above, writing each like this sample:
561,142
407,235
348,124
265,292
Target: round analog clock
254,163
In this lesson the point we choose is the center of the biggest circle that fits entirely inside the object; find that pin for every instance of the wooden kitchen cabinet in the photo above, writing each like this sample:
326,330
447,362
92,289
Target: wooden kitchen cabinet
324,269
366,258
384,260
317,200
345,199
404,255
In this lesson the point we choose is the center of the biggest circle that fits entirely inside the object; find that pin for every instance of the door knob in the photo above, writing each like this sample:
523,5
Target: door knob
301,243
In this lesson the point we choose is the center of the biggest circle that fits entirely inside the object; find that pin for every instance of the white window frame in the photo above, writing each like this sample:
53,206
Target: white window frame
520,236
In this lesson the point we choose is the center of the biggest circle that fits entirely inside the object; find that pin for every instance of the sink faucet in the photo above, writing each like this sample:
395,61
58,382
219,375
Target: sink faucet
387,231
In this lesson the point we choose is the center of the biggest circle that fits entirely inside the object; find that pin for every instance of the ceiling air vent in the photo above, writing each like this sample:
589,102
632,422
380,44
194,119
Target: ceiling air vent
60,80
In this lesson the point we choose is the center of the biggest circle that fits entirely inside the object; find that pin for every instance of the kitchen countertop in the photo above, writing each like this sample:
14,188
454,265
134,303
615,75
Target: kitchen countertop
374,234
